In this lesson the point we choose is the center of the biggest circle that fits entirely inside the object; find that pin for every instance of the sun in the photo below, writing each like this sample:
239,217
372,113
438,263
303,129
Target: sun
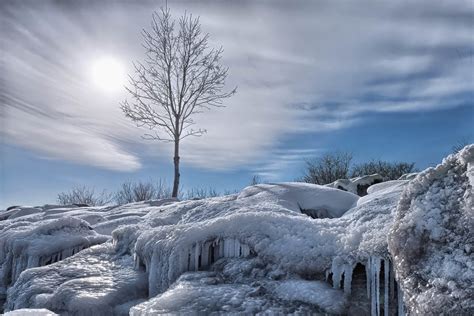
108,74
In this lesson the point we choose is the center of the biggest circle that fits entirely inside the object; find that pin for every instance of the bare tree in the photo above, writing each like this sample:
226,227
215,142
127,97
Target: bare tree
328,168
180,77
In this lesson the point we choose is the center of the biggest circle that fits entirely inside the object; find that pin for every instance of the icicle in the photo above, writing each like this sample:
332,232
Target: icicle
372,287
386,270
136,261
191,260
197,253
348,268
367,276
327,275
392,283
401,310
375,286
236,248
205,254
337,269
245,250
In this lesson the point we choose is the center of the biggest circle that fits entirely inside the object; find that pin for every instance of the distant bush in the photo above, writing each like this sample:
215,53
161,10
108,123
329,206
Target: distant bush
130,192
328,168
142,191
200,193
338,165
388,170
255,180
459,145
84,196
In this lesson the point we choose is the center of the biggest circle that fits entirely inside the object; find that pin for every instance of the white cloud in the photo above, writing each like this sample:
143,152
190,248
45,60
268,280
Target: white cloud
301,67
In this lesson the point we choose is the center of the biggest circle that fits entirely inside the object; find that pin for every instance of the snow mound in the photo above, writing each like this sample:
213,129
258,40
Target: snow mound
432,239
25,244
319,201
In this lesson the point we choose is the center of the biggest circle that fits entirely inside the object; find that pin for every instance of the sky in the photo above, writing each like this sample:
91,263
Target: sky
389,80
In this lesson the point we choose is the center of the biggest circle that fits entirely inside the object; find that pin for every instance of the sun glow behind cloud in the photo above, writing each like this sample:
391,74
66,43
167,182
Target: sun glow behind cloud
108,74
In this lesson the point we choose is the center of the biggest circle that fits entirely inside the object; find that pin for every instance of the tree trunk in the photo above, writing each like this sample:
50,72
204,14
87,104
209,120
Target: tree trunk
176,169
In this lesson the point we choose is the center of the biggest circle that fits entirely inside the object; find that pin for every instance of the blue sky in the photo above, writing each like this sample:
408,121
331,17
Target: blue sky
393,82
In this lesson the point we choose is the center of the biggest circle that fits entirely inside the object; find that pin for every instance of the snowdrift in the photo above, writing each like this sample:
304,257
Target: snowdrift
273,248
432,239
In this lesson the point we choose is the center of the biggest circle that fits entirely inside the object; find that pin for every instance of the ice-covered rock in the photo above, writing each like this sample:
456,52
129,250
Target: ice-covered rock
358,185
94,282
432,239
257,223
25,244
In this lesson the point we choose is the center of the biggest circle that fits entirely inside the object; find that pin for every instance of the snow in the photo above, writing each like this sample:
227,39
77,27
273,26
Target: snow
286,248
30,312
432,237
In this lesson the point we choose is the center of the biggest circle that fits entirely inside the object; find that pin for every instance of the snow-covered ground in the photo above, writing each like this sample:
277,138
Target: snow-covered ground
273,248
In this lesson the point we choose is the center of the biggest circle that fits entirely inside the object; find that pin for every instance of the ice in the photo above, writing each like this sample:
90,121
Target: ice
256,223
265,250
30,312
386,269
25,244
313,292
93,282
431,238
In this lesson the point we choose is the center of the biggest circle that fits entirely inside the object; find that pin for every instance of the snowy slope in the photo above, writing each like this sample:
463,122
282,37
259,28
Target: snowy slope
273,248
432,240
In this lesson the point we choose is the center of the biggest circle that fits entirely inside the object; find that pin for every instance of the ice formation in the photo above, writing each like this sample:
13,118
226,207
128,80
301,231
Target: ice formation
25,244
432,239
273,248
93,282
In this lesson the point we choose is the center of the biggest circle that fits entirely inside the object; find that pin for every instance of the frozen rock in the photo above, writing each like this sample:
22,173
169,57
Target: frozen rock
94,282
431,237
357,185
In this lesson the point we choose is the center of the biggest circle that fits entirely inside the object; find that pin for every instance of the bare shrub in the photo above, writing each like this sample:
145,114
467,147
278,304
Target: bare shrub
388,170
84,196
200,193
130,192
328,168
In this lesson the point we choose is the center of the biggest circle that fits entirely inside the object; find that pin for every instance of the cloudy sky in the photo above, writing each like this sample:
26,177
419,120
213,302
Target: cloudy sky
382,79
